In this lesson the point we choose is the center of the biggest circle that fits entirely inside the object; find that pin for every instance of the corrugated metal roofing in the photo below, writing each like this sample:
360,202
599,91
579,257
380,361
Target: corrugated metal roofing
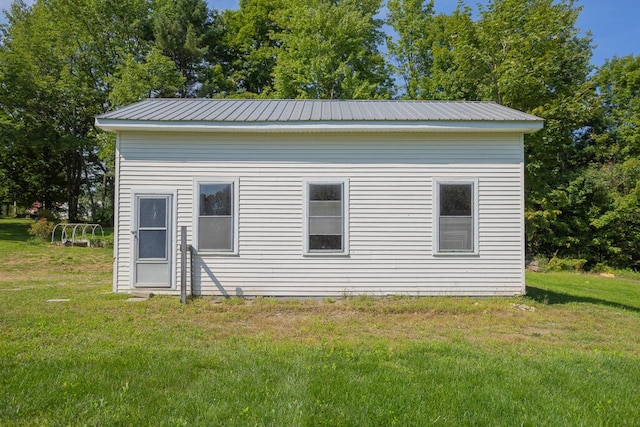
282,110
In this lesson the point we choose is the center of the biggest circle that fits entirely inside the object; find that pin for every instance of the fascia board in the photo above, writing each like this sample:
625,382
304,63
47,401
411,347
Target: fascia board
520,126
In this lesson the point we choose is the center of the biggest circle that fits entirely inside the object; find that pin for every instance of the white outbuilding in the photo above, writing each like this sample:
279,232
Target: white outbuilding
320,198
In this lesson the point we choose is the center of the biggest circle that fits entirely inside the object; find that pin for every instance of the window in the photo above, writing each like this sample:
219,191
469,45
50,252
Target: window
153,227
456,216
326,225
217,216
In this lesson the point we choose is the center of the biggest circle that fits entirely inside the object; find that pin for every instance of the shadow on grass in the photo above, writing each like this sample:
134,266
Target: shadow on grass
14,230
549,297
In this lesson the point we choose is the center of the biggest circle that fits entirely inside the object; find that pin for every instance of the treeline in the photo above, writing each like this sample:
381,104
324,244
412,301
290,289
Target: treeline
64,61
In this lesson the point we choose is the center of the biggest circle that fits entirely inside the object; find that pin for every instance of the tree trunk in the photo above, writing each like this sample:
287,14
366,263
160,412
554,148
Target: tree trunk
74,173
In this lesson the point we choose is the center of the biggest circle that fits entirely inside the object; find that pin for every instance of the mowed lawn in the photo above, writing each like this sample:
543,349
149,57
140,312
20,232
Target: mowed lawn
566,355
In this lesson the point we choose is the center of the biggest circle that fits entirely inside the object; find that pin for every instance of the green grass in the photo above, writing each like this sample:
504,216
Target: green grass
101,360
13,230
623,293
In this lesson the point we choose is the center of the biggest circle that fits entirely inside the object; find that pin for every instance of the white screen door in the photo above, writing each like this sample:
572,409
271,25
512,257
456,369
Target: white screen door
152,237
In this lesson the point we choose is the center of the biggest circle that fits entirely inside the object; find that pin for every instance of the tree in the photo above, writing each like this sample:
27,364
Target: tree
532,52
248,48
180,30
612,148
456,72
155,76
617,136
56,60
31,166
535,60
413,23
330,50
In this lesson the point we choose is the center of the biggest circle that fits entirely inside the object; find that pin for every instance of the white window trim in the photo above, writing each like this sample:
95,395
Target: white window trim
436,215
345,215
235,182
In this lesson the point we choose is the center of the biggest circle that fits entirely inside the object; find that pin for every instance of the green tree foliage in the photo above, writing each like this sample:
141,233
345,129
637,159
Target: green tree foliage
432,52
330,50
249,48
155,76
180,29
596,214
531,52
412,49
56,58
617,135
613,150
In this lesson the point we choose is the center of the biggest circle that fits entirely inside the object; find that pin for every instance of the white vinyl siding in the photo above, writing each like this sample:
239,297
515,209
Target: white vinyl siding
390,215
456,216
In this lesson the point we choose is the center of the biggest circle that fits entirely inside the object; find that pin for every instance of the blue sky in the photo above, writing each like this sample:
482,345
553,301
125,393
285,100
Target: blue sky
613,23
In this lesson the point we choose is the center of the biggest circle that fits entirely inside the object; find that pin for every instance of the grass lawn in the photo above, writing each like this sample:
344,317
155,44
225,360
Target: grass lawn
574,359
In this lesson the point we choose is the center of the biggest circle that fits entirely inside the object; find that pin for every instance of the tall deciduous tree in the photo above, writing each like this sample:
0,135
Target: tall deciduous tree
528,55
181,28
534,59
155,76
248,48
617,135
612,148
412,48
56,60
330,49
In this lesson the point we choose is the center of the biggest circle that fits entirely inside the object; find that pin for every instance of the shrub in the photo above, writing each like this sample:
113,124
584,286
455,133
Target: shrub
601,268
107,242
101,241
42,229
561,264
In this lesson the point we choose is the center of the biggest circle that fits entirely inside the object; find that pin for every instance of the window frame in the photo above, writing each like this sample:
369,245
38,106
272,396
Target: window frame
235,204
473,182
307,182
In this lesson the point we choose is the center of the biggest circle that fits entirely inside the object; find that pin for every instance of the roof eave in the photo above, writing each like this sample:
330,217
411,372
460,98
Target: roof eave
510,126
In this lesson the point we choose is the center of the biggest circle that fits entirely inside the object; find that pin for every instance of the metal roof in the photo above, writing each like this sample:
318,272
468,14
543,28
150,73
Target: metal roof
302,115
303,110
